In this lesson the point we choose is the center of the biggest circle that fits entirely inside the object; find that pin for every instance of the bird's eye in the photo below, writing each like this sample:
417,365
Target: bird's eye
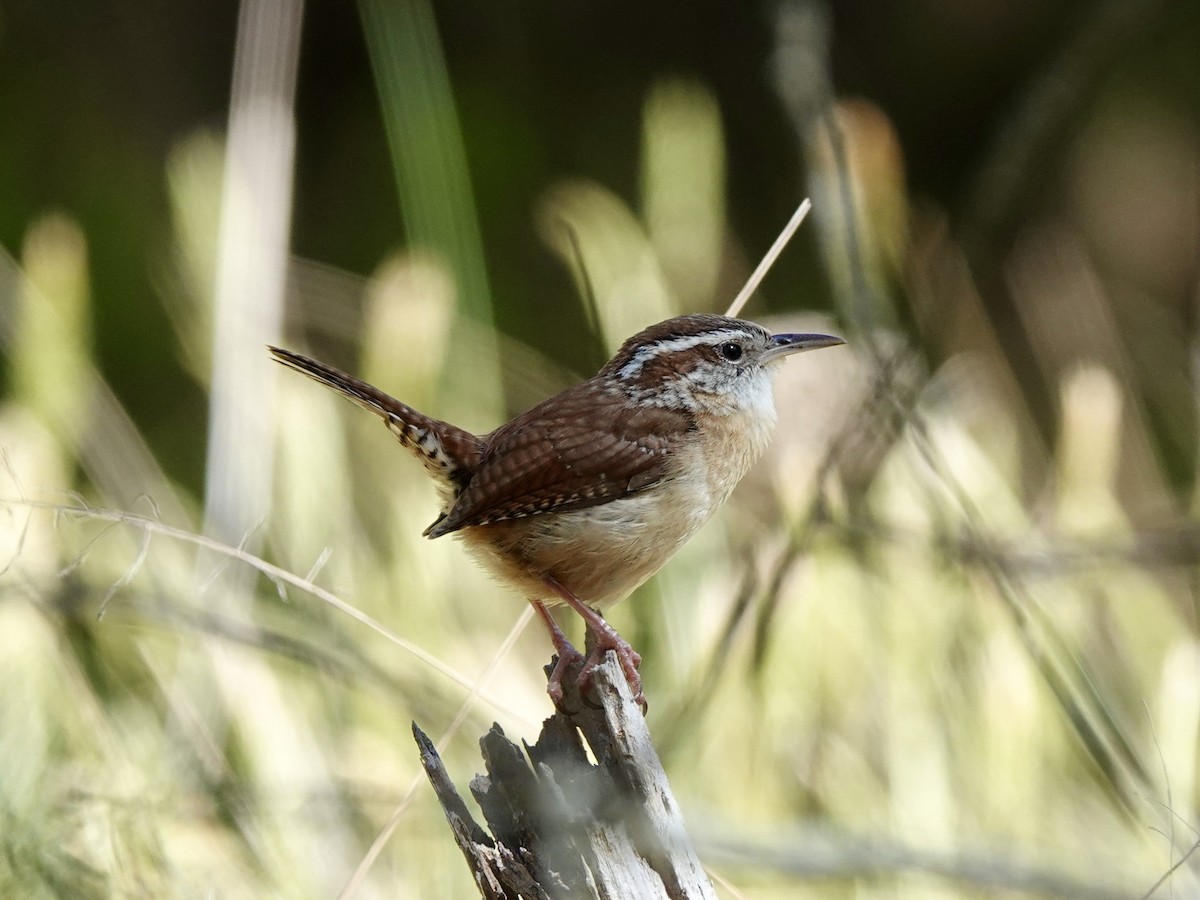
730,351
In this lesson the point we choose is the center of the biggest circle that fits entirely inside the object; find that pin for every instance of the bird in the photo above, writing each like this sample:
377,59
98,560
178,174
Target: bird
582,498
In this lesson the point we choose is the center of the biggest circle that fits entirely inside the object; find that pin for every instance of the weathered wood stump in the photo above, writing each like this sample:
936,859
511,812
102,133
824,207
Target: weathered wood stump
564,827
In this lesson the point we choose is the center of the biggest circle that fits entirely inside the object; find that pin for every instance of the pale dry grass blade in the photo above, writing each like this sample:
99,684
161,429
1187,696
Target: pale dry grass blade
763,267
252,263
240,693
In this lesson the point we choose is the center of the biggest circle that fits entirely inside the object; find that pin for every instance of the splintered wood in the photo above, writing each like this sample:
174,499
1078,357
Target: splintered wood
564,827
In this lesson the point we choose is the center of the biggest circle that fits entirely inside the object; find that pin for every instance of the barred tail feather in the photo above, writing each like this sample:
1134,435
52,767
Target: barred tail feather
368,397
448,453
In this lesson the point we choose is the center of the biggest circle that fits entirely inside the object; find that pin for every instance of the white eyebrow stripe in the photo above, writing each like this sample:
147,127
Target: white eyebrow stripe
632,368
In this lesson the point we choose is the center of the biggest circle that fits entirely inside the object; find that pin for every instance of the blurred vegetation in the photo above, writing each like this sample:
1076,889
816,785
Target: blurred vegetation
944,642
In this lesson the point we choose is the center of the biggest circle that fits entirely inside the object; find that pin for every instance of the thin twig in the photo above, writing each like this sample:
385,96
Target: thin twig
127,576
1171,871
277,575
769,260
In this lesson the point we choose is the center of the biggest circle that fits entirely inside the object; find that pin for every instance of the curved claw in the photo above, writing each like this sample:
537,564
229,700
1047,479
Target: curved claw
629,659
566,658
604,637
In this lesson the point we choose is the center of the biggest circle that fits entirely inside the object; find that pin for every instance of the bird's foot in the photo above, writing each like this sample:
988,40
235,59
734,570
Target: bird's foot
566,657
601,637
604,637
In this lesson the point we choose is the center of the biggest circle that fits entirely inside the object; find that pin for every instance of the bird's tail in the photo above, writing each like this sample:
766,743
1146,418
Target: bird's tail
448,453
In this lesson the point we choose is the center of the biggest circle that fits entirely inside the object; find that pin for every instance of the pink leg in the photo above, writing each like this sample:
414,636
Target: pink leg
606,639
567,654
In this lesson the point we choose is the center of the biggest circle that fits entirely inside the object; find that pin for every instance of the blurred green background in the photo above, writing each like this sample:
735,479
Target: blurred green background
942,643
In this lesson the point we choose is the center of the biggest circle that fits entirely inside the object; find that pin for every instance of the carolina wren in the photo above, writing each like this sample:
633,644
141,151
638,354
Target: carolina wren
585,496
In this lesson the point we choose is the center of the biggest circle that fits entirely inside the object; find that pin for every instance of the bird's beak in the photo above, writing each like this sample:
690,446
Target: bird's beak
785,344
